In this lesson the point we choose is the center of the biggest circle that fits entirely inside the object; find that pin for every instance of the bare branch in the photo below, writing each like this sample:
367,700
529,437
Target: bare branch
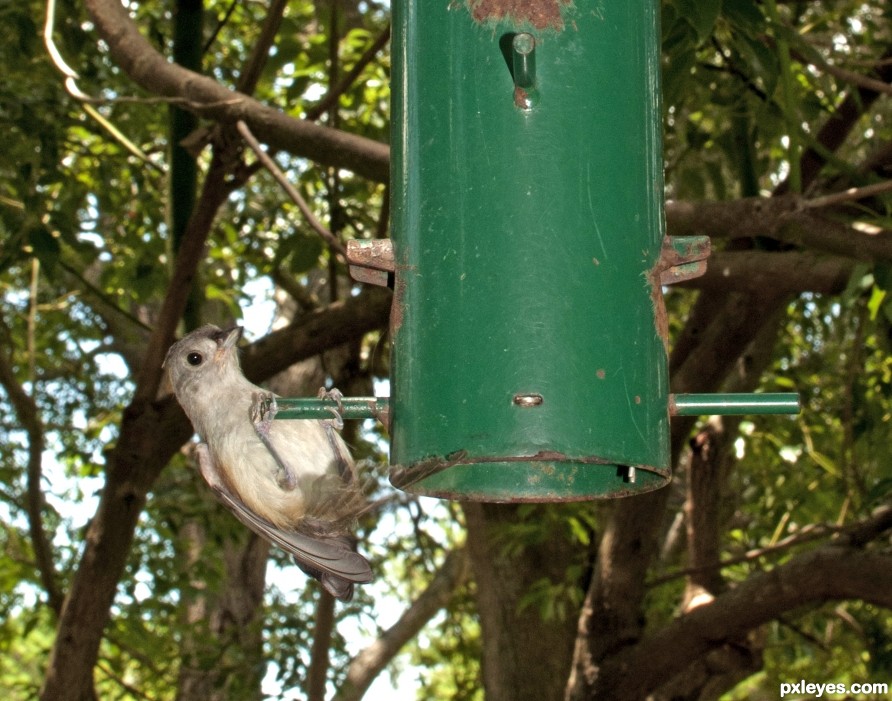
808,534
828,573
785,272
317,670
28,415
863,532
851,195
855,534
316,111
848,76
139,60
260,51
189,256
369,662
296,197
784,219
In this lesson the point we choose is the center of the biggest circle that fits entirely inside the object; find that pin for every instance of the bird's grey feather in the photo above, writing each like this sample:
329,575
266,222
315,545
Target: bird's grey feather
308,516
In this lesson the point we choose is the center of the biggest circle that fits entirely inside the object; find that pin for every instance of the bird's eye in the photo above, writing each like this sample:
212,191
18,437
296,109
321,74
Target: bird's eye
194,358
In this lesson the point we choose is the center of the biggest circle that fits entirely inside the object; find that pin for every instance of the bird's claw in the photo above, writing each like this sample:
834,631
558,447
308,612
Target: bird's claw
263,410
337,397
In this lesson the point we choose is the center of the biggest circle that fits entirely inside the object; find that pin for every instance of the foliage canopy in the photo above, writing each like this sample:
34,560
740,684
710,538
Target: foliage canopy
120,574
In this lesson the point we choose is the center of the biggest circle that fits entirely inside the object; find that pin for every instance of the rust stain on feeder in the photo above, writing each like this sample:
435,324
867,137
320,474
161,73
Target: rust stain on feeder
661,318
681,258
541,14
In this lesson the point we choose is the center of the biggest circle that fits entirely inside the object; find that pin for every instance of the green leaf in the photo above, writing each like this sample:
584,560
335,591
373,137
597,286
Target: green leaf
882,275
877,295
45,245
744,15
305,254
701,15
824,462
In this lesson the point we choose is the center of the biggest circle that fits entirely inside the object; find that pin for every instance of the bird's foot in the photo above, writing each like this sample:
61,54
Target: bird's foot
263,410
335,395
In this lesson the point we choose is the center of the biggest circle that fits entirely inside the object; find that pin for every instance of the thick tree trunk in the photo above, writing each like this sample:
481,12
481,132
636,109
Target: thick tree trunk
225,624
525,658
132,469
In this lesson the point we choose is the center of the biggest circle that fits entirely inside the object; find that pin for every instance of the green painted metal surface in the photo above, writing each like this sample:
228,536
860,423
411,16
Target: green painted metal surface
736,404
347,408
528,362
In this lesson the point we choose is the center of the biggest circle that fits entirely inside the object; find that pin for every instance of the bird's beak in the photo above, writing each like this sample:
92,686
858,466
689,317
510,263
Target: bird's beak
227,340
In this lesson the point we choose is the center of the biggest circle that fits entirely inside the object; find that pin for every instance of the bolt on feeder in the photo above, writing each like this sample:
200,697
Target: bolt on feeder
528,255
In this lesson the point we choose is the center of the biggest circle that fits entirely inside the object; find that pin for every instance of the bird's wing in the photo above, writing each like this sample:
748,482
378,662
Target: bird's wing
330,559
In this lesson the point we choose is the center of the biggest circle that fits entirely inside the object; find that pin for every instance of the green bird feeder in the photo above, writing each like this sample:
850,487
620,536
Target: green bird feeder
528,254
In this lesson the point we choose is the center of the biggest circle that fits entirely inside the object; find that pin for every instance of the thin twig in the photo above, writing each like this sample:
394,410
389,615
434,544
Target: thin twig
28,414
855,534
296,197
103,298
313,113
852,194
120,681
253,67
222,23
803,633
808,533
848,76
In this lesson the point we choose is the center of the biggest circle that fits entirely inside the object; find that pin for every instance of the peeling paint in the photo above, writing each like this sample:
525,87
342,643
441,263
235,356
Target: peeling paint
681,258
397,307
541,14
661,318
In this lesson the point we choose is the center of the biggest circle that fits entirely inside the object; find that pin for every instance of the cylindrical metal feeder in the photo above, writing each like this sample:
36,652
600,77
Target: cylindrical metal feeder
528,253
528,335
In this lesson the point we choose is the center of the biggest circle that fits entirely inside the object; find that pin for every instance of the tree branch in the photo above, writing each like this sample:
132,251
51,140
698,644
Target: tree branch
260,51
28,414
189,255
292,191
366,665
853,194
863,81
855,534
784,272
317,110
317,331
787,219
323,626
148,68
828,573
839,125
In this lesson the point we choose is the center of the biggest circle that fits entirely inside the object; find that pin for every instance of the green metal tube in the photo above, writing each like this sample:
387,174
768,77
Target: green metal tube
528,326
349,408
679,405
734,404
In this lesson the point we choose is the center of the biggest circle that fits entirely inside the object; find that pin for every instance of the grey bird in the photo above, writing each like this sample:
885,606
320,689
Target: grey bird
291,482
